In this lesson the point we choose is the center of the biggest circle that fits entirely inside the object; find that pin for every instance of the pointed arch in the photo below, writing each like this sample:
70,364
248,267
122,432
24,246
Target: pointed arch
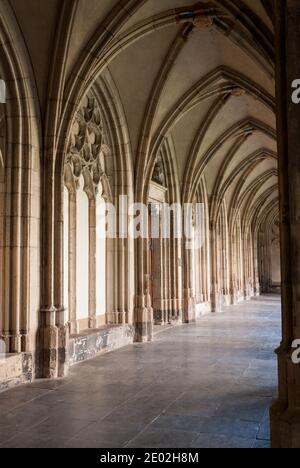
20,191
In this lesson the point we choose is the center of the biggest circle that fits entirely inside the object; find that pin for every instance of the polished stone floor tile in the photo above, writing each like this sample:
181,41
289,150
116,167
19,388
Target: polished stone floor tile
208,385
262,444
222,442
104,434
247,408
163,438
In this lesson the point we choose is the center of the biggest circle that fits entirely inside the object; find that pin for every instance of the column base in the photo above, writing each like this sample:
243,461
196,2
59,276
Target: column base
117,318
15,344
226,299
216,303
92,323
159,317
233,298
189,312
25,343
5,341
53,340
63,357
143,324
74,328
285,427
175,315
176,319
285,411
247,298
48,354
257,290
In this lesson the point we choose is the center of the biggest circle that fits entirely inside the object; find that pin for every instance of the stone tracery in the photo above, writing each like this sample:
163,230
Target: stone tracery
87,149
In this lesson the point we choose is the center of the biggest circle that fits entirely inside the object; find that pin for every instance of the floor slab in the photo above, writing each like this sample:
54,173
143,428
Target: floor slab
207,385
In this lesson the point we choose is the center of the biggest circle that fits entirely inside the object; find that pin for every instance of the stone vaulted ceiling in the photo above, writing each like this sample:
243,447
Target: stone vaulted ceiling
199,74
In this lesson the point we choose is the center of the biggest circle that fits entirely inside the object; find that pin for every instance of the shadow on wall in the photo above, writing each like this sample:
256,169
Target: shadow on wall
275,259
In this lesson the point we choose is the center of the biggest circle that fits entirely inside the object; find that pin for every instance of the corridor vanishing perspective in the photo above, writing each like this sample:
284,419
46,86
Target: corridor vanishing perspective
208,385
149,195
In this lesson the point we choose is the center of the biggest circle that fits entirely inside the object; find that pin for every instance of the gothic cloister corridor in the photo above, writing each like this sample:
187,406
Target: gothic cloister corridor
208,385
150,223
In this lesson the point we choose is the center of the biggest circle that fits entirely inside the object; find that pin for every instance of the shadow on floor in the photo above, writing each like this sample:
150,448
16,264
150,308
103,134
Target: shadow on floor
208,385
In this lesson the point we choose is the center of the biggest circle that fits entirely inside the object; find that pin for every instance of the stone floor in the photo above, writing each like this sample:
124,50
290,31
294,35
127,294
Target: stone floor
202,386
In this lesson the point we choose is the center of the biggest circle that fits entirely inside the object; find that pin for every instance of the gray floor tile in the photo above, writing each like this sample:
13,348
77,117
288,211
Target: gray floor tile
205,385
206,441
163,438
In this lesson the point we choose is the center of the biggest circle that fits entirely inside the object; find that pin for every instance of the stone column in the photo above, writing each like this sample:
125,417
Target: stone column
206,264
122,283
72,264
215,286
48,333
174,317
178,279
61,313
169,281
285,412
189,293
232,272
15,250
251,267
92,263
255,266
232,266
201,273
158,265
112,288
158,281
197,276
240,266
119,246
225,260
143,312
245,244
165,281
122,203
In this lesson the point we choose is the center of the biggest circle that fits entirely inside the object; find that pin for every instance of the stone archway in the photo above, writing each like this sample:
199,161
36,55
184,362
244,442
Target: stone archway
20,181
93,167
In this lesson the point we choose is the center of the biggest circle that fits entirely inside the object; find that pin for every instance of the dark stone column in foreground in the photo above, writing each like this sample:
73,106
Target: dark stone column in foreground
285,412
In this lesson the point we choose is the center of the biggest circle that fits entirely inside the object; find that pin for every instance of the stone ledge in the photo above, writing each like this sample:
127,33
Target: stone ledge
15,369
91,343
203,308
158,329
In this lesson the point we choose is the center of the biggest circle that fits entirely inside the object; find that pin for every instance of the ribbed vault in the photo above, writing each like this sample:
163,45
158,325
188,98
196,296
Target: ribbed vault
196,83
200,75
169,101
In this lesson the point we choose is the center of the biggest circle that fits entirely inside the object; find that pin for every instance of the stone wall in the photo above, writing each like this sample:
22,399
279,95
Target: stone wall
92,343
16,369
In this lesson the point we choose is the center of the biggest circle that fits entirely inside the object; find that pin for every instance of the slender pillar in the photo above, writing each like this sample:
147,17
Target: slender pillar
285,412
179,278
72,264
15,345
59,279
256,284
215,291
143,312
189,293
48,334
92,263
